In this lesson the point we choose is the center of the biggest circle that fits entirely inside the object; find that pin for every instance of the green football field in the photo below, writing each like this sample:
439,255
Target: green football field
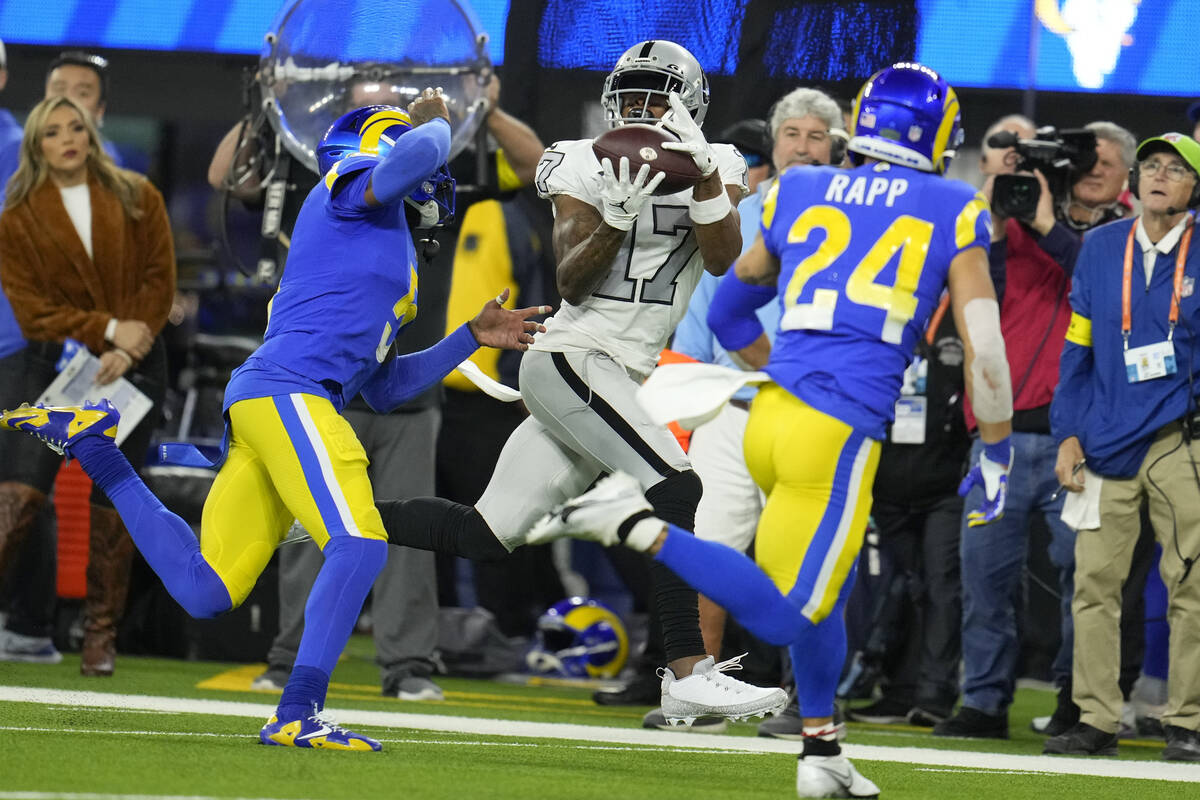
163,728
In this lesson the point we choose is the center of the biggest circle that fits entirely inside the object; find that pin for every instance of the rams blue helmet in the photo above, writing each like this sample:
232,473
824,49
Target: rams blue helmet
372,130
579,638
908,115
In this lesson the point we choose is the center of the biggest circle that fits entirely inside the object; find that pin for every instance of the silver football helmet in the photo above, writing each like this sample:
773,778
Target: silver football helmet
655,67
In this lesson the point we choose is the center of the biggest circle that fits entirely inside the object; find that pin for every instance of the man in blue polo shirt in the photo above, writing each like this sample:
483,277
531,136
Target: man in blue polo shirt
1125,416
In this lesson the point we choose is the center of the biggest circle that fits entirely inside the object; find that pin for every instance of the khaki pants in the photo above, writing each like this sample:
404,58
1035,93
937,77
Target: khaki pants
1102,559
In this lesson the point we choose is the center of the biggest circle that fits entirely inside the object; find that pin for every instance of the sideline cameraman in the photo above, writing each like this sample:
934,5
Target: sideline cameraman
1032,260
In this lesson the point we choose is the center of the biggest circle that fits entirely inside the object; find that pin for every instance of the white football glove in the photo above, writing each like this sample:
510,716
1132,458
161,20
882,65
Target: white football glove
623,198
691,139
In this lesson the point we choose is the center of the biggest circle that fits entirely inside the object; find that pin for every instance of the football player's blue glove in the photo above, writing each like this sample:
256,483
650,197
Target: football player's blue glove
991,474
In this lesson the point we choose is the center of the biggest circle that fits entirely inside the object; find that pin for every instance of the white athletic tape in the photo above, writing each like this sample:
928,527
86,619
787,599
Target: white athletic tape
991,384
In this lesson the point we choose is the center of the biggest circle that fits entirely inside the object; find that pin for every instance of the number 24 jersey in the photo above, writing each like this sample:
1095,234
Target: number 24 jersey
864,257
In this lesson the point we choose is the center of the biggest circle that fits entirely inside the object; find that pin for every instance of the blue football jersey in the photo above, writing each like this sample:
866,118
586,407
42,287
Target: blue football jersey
349,286
864,255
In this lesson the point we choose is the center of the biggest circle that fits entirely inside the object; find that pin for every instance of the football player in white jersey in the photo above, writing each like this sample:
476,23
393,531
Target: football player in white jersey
627,264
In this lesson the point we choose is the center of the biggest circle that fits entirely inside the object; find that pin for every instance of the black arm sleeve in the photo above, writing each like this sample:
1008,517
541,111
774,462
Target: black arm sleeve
997,267
431,523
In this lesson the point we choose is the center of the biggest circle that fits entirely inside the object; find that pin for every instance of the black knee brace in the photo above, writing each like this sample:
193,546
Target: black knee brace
674,500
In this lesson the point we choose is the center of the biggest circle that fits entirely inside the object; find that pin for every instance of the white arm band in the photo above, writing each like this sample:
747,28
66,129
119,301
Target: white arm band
110,330
714,209
991,383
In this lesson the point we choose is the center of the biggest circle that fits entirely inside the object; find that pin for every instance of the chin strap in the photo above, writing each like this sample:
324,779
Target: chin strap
428,211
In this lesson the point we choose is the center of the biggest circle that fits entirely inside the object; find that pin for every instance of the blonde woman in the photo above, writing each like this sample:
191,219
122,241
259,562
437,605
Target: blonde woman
86,254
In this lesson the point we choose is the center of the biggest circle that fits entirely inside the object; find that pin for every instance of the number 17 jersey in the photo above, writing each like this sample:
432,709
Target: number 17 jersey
645,292
864,257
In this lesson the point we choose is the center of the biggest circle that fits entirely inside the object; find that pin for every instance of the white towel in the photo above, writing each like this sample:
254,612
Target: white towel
692,394
1081,510
490,387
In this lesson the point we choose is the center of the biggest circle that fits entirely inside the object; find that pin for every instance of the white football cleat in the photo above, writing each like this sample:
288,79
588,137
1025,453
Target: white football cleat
831,776
599,514
710,692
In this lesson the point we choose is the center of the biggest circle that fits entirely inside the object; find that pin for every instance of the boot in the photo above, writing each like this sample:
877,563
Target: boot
110,555
19,505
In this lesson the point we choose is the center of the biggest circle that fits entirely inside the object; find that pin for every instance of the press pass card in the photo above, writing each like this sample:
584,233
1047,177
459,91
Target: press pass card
1149,361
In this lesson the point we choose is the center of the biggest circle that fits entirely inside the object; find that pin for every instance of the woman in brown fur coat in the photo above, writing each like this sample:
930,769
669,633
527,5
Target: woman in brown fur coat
86,254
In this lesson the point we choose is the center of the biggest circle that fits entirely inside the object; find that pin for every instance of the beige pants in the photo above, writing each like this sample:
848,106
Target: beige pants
1102,559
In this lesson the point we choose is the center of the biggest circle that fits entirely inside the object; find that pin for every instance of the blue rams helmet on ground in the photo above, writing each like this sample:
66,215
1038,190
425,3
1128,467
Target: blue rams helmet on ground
579,638
908,115
371,131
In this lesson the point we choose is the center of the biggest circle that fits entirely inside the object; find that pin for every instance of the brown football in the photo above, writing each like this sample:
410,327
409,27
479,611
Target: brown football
642,144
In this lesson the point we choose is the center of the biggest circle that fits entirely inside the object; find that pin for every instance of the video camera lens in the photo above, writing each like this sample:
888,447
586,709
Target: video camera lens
1016,196
1061,156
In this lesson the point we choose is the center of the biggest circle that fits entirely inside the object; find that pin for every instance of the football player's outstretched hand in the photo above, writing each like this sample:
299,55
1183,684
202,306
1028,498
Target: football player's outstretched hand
624,196
691,139
431,103
496,326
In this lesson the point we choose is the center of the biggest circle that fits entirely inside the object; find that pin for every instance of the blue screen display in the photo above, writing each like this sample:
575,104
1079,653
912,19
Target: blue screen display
1114,46
221,26
1120,46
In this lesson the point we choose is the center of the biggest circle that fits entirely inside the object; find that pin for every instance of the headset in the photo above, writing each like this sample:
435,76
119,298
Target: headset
838,140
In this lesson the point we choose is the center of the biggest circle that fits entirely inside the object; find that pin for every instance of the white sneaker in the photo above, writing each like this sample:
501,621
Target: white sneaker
598,515
831,776
413,687
30,649
273,680
710,692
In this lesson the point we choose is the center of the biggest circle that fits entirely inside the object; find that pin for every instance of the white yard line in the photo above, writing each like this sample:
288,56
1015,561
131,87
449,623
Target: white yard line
1097,767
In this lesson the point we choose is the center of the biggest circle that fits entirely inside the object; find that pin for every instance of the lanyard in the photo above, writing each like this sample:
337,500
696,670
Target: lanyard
936,320
1180,260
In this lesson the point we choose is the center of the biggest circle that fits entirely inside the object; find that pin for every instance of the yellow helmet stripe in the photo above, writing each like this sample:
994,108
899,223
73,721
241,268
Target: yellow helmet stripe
856,106
374,126
949,113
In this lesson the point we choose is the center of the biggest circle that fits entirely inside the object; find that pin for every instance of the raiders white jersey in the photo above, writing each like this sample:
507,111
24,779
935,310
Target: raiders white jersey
632,313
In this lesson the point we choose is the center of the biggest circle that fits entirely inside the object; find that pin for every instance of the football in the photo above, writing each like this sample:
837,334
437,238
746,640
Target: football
642,144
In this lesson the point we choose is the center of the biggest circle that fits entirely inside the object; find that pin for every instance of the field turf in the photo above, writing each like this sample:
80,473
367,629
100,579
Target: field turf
162,728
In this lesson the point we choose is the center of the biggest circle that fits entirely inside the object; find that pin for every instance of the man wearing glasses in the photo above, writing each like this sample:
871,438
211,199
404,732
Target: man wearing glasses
1125,417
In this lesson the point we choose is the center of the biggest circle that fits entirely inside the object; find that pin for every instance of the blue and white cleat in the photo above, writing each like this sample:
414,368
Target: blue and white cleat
316,731
62,426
